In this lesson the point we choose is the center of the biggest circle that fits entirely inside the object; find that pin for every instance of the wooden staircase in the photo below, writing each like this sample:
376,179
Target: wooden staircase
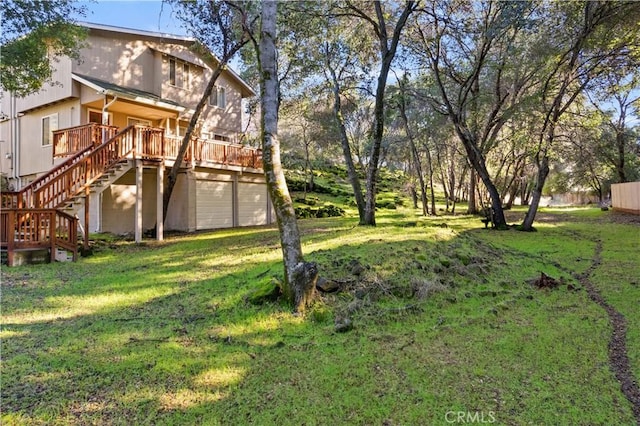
75,203
38,216
42,214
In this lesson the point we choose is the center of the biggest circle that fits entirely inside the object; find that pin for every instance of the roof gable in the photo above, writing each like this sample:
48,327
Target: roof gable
156,41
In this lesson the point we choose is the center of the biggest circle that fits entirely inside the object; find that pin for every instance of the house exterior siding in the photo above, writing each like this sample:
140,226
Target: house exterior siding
133,77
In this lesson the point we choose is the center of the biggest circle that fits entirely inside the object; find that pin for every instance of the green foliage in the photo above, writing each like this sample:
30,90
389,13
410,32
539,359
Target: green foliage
328,210
443,317
35,35
267,290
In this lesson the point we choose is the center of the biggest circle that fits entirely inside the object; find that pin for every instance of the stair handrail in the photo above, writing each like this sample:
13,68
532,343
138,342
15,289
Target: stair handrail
23,198
72,181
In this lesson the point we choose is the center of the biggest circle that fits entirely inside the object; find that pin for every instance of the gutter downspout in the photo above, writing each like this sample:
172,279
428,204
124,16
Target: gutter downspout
105,113
18,152
12,131
15,142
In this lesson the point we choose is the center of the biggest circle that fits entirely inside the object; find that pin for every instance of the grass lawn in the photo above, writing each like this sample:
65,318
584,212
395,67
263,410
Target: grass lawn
445,321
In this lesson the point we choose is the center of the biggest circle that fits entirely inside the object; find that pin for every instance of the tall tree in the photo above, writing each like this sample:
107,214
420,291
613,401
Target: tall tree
35,34
378,19
219,27
618,87
597,35
471,50
401,100
337,65
300,277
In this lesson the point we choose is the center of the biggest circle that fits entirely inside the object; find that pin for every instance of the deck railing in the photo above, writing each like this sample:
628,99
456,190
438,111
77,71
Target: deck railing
156,145
75,139
22,229
27,198
29,216
215,152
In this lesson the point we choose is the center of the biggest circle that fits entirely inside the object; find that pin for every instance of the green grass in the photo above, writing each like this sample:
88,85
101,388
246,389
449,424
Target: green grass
444,321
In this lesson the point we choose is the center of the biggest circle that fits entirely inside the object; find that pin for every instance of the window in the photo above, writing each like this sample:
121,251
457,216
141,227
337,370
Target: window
172,72
49,125
179,73
220,137
132,120
218,97
95,116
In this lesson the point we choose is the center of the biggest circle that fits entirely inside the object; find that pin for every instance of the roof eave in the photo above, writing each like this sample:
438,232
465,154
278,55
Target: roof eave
139,99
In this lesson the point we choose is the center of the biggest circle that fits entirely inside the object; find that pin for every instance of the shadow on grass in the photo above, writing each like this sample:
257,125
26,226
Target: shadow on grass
162,335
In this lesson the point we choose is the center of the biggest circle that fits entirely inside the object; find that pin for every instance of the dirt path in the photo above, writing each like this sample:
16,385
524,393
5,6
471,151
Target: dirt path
618,358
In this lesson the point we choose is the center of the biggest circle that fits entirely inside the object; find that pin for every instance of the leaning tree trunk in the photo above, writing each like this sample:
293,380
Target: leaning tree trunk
541,177
477,161
414,153
172,177
300,276
346,148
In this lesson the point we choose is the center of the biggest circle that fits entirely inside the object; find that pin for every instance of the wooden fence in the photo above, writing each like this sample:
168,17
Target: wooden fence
626,197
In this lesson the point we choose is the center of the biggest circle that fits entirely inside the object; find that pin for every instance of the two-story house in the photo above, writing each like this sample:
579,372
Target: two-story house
97,143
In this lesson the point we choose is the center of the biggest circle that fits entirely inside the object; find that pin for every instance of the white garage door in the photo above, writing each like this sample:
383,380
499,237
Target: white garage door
252,204
214,204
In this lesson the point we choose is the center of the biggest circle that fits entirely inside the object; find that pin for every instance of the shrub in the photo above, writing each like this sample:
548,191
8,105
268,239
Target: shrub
328,210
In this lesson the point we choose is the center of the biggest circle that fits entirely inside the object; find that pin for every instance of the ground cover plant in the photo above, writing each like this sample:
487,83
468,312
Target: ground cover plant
433,317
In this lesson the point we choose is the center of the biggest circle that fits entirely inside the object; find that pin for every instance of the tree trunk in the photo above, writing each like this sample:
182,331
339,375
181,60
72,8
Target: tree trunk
354,180
472,203
300,277
478,163
433,194
376,135
387,53
414,151
620,144
443,179
543,172
172,176
414,195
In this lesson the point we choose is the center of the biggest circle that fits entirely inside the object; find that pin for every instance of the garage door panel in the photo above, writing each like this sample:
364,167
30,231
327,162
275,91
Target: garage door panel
252,204
214,204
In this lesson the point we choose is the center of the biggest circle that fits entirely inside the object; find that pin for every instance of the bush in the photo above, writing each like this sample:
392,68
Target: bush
309,201
328,210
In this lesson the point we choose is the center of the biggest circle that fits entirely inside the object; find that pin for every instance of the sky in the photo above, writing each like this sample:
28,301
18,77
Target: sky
147,15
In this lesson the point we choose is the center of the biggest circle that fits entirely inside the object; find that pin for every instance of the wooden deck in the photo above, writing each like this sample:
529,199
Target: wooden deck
31,218
153,143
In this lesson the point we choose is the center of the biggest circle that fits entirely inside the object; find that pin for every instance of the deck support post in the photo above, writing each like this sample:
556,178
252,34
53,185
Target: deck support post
85,242
138,212
159,202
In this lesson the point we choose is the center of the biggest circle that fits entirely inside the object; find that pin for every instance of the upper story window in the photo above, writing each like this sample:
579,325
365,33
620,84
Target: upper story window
140,121
179,73
220,137
49,125
218,97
